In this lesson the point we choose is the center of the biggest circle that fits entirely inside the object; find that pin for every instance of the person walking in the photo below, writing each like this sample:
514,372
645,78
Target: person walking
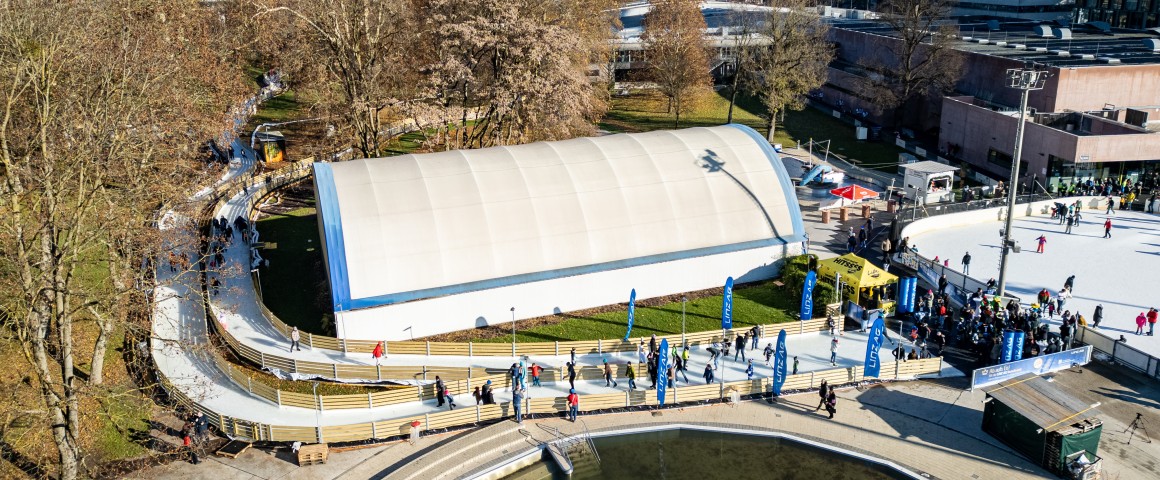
942,284
682,367
1108,228
573,405
450,400
536,369
1042,240
1111,207
708,373
967,264
795,365
608,381
1140,320
1098,316
834,351
1152,317
630,374
294,337
517,403
822,391
739,344
886,250
831,403
749,370
439,387
377,353
768,352
753,334
572,374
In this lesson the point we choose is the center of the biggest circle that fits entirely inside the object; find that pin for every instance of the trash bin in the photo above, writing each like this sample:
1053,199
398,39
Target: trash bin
865,211
825,216
891,206
844,214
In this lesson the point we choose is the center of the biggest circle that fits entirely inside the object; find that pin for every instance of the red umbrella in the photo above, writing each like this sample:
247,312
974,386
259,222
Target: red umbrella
854,193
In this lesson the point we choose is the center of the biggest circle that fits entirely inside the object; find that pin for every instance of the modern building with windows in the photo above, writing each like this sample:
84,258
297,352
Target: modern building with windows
422,244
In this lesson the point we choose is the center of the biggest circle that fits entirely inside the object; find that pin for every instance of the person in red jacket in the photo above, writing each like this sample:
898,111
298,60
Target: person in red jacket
536,369
1152,316
378,352
1042,241
573,405
1108,228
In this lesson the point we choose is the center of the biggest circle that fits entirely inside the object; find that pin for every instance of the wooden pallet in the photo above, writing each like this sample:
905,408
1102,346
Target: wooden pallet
233,449
313,454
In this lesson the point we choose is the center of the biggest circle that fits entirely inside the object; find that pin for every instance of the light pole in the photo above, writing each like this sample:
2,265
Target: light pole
683,300
513,331
1026,79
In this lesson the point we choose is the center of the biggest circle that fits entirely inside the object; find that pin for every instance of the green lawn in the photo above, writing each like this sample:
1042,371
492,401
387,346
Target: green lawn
643,111
752,305
295,282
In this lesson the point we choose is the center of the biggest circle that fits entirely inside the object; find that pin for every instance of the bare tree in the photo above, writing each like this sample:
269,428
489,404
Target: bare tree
922,59
790,58
359,46
676,56
512,71
103,106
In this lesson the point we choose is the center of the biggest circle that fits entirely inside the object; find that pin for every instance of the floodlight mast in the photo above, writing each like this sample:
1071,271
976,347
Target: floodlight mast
1025,79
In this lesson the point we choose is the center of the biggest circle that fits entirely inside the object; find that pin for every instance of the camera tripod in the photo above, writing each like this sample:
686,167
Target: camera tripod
1138,423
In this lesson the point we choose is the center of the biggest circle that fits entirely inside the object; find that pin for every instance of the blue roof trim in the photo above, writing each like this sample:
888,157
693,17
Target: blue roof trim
330,218
392,298
787,188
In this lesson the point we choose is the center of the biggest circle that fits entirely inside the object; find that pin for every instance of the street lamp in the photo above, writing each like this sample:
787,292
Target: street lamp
1026,79
683,300
513,331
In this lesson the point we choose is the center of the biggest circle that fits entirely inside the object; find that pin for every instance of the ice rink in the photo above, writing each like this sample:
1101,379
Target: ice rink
1119,272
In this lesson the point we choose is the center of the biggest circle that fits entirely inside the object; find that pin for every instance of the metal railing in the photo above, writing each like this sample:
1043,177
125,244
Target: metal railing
1120,352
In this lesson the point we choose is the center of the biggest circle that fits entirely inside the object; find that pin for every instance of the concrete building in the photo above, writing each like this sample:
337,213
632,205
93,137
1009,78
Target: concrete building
1095,117
422,244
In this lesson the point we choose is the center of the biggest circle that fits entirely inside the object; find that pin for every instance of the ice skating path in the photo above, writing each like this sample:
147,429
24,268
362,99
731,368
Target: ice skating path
181,354
1122,272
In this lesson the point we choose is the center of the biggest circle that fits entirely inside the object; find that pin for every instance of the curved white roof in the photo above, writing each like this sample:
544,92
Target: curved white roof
418,226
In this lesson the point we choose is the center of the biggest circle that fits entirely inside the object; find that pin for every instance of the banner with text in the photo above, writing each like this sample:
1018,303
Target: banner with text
1040,365
873,364
779,364
727,305
807,308
663,371
631,312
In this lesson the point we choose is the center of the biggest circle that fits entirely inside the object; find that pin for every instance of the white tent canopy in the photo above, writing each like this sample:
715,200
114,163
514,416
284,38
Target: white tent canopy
418,226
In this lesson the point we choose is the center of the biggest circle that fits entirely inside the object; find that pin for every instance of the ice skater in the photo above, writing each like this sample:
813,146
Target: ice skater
1108,228
1042,240
967,264
834,351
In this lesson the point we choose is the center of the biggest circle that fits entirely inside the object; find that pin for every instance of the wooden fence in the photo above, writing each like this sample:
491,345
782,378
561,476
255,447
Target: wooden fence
471,415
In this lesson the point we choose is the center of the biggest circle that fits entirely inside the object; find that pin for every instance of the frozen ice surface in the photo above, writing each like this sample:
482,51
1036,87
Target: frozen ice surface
1119,272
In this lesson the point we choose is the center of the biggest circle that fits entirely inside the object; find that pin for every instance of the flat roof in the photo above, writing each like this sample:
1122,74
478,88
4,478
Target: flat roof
1126,46
1041,402
929,166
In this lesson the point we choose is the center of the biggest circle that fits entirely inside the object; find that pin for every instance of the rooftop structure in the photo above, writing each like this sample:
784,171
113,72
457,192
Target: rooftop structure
493,221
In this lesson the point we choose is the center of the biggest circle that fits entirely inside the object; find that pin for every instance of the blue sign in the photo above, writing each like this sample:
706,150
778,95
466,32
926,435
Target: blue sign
1008,346
779,362
1040,365
873,364
1020,337
524,373
631,312
807,309
727,305
663,371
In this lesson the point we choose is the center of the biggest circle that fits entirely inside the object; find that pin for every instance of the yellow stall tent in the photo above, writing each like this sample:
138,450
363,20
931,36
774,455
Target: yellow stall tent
862,282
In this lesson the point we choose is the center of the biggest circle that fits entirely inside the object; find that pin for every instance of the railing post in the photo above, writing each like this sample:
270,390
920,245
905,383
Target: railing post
262,359
627,400
379,372
374,432
335,368
342,341
600,346
294,365
428,348
477,416
310,340
385,345
279,392
557,347
940,365
424,372
318,402
470,349
318,433
249,384
811,379
427,420
370,401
